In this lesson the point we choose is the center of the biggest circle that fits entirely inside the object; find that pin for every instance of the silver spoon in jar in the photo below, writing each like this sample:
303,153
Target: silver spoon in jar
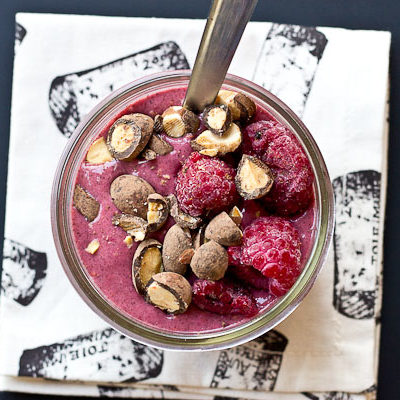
225,25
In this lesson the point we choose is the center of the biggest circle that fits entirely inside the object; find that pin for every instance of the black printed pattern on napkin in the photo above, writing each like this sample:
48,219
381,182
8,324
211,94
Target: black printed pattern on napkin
357,198
227,398
157,391
252,366
104,355
20,33
72,96
288,62
24,271
329,396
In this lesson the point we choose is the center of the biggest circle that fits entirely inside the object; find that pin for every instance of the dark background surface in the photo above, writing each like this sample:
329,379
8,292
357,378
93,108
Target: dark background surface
354,14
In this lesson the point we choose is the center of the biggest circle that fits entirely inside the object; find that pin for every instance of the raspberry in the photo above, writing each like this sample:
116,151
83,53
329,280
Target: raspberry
235,255
276,146
205,184
245,273
272,246
223,297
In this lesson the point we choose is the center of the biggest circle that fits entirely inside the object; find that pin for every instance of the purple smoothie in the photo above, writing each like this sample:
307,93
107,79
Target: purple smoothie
110,267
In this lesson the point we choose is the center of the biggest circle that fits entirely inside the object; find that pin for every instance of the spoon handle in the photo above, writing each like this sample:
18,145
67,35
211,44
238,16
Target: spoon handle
221,36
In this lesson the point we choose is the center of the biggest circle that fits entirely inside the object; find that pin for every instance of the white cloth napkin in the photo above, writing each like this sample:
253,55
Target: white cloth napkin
50,342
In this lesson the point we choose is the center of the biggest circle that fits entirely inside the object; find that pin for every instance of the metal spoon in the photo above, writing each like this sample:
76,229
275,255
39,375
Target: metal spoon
221,36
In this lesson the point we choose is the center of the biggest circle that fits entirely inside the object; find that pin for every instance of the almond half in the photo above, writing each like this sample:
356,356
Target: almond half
217,118
98,152
170,292
85,203
210,144
182,219
253,179
129,135
146,263
241,106
157,211
177,121
135,226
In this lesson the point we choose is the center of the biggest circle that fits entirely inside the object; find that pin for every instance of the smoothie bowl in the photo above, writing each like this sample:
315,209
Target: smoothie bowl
192,231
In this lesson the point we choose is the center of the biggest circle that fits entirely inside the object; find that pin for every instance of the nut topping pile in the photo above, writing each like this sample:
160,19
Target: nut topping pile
204,253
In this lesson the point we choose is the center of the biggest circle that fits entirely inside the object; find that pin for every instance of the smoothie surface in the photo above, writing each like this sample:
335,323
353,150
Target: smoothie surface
110,268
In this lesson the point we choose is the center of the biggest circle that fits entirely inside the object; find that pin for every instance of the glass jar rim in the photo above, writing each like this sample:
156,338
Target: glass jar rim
60,203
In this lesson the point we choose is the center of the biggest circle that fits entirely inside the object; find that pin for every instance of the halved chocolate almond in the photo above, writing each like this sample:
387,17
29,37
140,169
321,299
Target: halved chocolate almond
236,215
217,118
129,135
129,194
253,178
182,219
210,144
156,146
224,231
135,226
158,127
177,121
98,152
146,263
157,211
176,241
148,154
241,106
210,261
85,203
159,145
170,292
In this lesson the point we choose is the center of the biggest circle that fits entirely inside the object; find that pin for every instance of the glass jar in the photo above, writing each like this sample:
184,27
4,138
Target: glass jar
61,203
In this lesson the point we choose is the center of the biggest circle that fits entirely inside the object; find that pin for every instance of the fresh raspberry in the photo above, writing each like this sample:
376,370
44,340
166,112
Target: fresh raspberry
205,184
235,255
272,246
223,297
276,146
245,273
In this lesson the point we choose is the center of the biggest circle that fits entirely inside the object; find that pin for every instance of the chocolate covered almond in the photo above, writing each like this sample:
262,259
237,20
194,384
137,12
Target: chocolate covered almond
170,292
159,145
217,118
148,154
223,230
177,121
146,262
129,135
210,261
176,241
210,144
85,203
253,179
183,219
129,194
135,226
242,107
157,211
158,126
